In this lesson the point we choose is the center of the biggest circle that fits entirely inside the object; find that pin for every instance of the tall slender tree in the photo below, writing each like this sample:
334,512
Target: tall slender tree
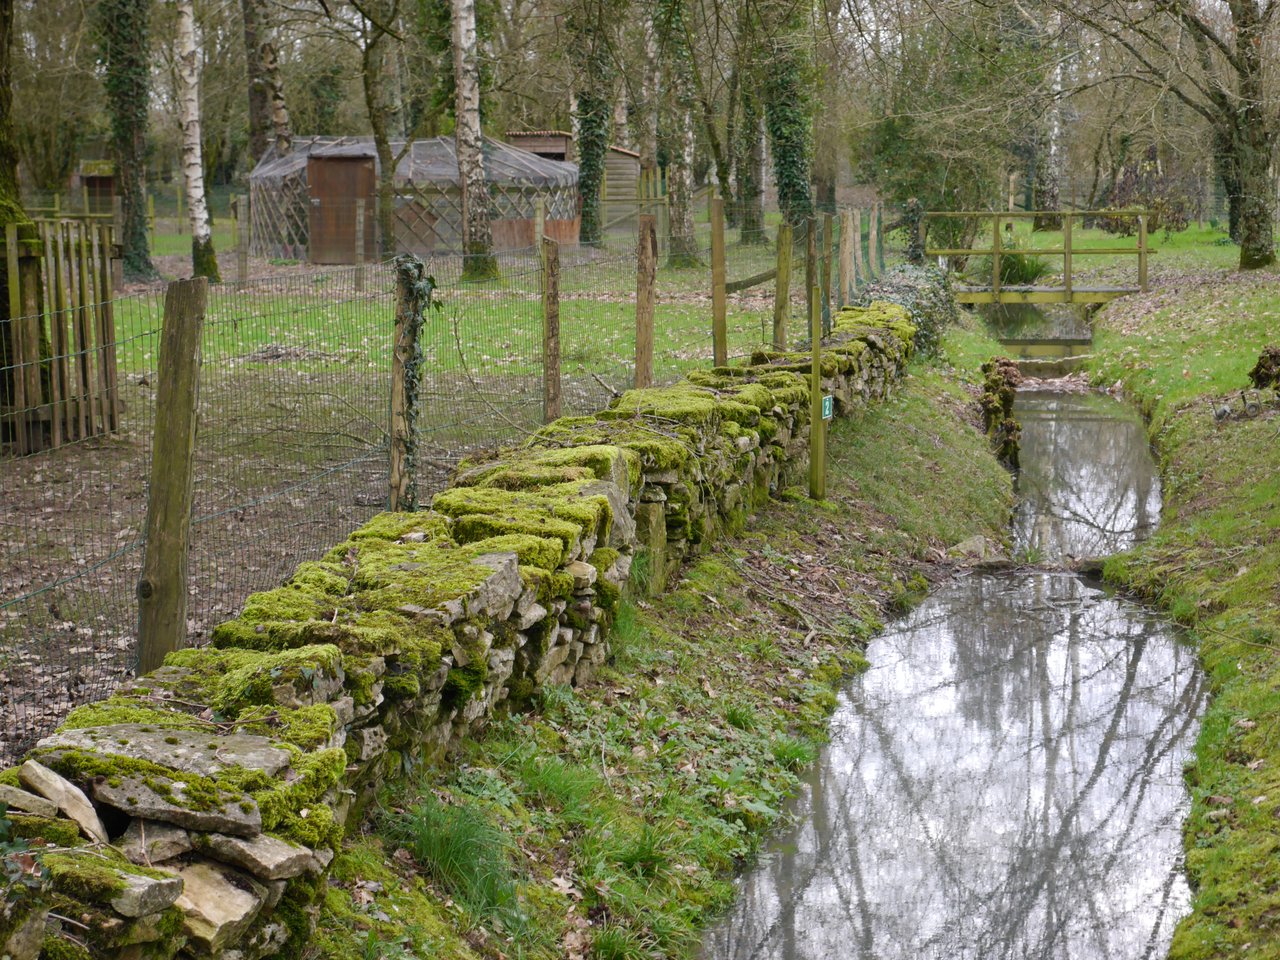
124,40
204,262
788,116
590,23
677,129
10,198
479,262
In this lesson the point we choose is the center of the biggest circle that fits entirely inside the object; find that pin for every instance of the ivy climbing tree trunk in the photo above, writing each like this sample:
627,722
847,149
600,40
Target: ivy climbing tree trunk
204,262
268,112
374,40
124,40
589,24
10,198
649,103
788,121
479,262
677,131
749,153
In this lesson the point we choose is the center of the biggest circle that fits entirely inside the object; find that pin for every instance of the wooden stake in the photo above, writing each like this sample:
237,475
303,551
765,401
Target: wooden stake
107,319
1142,252
18,358
242,237
782,288
403,348
359,261
719,323
995,257
817,426
845,273
873,243
162,587
646,275
859,266
58,364
550,329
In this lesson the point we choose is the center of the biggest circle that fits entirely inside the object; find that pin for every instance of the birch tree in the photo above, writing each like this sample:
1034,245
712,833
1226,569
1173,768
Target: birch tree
268,111
204,262
479,262
124,41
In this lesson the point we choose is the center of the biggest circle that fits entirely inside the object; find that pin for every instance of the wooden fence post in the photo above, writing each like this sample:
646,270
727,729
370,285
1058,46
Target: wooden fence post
859,265
810,262
18,349
1142,252
828,238
646,274
782,288
719,323
845,275
405,364
873,242
550,329
1066,257
817,426
162,586
995,258
359,274
243,222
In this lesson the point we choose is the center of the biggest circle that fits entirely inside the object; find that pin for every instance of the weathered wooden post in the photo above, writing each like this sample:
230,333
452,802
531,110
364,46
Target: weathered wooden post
873,242
1142,252
646,275
359,274
859,265
413,298
1066,256
162,586
845,273
995,259
719,323
782,288
817,425
243,226
550,329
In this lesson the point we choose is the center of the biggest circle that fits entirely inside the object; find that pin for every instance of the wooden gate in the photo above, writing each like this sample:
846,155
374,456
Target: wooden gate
58,378
335,184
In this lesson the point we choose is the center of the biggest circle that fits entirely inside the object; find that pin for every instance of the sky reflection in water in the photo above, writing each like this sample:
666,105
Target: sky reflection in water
1005,782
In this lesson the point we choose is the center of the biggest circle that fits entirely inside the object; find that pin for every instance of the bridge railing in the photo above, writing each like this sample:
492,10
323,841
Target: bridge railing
1068,292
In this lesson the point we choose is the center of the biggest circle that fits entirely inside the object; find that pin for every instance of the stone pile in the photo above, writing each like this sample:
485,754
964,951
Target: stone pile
195,812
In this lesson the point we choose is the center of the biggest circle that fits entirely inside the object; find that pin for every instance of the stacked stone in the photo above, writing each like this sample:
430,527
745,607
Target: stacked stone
195,812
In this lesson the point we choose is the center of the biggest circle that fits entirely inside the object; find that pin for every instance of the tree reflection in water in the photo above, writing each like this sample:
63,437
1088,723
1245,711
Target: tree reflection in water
1005,783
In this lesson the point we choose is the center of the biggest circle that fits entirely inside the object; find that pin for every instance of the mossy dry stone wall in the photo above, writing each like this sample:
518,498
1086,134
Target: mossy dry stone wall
195,812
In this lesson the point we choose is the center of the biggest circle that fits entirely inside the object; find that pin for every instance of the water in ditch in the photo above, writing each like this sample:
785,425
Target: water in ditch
1005,782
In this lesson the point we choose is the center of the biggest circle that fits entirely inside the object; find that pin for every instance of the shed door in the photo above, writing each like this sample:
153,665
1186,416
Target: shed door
335,183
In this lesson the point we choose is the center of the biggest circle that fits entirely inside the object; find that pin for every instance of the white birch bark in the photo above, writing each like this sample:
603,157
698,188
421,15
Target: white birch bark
188,76
477,232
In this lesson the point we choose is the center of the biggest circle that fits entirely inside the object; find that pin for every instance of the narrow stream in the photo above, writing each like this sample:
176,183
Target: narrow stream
1005,782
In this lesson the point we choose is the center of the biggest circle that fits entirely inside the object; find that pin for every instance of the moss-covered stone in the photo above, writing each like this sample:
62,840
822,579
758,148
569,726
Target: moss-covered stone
62,833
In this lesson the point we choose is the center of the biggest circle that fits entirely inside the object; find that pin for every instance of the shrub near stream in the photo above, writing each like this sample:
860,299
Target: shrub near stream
627,806
1215,565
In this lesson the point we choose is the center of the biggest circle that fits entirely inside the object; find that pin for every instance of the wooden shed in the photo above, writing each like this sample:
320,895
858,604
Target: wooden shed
621,188
305,204
550,144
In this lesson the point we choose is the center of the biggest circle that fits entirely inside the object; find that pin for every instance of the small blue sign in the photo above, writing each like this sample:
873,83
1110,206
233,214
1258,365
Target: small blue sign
828,407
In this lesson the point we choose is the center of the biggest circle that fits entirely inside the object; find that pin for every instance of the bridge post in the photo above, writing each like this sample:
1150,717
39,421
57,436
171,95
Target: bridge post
1066,256
995,259
1142,252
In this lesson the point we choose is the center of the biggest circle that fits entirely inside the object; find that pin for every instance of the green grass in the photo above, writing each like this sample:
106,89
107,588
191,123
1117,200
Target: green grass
1215,566
629,805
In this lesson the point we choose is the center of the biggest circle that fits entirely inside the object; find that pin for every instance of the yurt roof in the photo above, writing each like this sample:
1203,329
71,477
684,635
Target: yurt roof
434,160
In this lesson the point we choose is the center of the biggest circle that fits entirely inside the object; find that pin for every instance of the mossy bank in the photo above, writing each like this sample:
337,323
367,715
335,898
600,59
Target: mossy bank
1184,356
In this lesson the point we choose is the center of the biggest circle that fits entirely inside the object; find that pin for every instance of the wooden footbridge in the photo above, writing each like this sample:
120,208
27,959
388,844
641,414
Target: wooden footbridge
1069,291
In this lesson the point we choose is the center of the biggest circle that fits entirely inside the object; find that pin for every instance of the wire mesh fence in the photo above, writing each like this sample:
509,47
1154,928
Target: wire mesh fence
292,448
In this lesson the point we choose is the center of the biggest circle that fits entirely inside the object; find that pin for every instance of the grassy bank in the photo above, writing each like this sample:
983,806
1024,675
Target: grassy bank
1215,565
609,822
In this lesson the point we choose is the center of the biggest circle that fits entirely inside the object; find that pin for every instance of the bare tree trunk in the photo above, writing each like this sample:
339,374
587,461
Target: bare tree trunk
621,129
10,198
373,78
268,113
204,263
479,262
679,100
